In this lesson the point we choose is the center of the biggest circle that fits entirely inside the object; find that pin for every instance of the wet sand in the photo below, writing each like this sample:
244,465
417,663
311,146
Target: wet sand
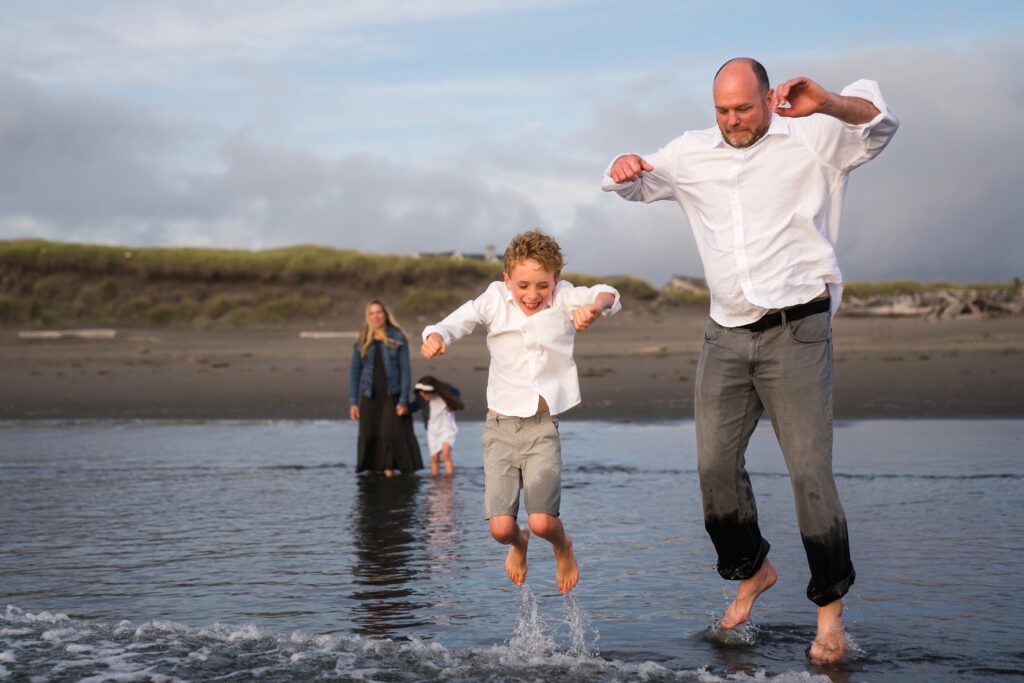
634,366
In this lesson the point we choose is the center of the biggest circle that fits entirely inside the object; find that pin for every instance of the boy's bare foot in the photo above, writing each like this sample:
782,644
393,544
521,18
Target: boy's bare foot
746,594
568,572
829,645
515,562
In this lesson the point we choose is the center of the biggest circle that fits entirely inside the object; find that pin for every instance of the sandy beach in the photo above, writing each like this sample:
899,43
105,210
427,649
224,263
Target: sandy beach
634,366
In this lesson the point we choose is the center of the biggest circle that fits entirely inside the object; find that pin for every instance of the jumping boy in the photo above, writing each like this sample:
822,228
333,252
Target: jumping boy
531,320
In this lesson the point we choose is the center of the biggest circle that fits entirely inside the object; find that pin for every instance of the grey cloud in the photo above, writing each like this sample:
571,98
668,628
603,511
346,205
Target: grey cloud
942,202
92,170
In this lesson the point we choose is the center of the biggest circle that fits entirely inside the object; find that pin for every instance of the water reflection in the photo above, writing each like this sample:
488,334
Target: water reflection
386,534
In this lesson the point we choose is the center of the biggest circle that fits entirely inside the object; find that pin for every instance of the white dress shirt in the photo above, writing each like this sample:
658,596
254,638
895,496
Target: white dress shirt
531,356
766,218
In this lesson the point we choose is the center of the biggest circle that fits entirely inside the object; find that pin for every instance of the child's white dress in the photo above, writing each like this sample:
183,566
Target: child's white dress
441,428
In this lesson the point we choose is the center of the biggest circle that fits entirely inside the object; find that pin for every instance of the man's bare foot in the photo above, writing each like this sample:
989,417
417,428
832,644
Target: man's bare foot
568,572
829,645
746,594
515,562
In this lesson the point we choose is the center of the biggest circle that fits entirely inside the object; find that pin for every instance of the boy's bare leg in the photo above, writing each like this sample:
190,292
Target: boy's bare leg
829,645
748,591
505,531
389,473
446,453
435,465
550,528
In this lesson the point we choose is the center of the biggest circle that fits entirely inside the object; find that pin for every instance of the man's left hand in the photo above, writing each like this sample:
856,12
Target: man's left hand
401,410
805,97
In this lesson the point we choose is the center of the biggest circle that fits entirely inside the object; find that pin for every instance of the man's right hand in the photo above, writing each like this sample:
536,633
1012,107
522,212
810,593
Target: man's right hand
629,167
353,413
433,346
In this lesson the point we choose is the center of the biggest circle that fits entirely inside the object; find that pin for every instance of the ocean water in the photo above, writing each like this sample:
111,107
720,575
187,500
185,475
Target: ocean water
196,551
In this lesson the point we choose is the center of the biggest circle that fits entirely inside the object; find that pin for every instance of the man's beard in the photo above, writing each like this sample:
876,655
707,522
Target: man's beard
755,136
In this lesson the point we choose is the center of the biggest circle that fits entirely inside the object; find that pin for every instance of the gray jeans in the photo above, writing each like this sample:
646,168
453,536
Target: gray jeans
787,371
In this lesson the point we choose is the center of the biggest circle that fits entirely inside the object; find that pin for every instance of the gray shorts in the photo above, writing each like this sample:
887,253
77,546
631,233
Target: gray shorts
522,453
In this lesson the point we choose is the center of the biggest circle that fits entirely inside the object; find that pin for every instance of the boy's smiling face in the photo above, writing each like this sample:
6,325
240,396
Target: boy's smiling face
531,285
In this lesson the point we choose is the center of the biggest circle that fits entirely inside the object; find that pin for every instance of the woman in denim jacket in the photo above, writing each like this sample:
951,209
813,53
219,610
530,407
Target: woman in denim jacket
378,394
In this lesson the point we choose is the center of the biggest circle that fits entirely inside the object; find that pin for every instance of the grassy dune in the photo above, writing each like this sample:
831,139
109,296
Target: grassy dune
53,284
56,284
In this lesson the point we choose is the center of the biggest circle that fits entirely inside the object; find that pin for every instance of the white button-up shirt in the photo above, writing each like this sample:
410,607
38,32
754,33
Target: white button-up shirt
531,356
766,218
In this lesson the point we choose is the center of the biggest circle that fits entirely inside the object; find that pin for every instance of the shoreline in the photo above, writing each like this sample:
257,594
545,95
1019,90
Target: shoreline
633,367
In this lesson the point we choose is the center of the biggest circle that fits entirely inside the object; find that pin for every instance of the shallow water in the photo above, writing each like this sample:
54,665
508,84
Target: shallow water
237,550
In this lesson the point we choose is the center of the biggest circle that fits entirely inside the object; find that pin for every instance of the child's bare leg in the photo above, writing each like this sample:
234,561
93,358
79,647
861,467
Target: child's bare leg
446,453
739,611
389,473
829,645
435,466
505,531
551,530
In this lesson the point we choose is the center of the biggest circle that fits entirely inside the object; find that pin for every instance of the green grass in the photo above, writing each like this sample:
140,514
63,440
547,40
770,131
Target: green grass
49,284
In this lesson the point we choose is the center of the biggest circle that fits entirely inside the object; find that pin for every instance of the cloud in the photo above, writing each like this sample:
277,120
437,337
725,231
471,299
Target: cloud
85,170
941,202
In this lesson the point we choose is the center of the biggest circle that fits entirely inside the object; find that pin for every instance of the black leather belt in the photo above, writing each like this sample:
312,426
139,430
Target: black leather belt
792,313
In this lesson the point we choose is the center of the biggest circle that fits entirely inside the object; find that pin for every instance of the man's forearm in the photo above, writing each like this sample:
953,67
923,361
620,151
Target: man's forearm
853,110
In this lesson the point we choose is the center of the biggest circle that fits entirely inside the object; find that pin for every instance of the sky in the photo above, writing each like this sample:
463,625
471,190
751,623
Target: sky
397,126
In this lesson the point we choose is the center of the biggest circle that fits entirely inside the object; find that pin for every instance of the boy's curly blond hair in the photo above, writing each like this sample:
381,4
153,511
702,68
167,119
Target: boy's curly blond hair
535,245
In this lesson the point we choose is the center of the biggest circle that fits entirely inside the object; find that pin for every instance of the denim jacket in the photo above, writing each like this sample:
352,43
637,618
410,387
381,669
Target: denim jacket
396,368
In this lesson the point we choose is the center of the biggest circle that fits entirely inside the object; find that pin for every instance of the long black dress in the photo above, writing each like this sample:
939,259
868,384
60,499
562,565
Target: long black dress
386,441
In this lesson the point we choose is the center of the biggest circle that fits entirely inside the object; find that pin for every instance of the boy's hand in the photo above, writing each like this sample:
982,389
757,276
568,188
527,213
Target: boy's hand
433,346
585,315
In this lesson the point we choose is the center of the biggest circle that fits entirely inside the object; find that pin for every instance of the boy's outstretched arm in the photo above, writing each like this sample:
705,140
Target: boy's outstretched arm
584,316
433,346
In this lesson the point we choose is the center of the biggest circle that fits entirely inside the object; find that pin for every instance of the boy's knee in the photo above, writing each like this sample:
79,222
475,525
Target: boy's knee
503,528
543,524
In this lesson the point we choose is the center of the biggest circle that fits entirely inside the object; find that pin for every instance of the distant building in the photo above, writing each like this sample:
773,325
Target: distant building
682,283
489,255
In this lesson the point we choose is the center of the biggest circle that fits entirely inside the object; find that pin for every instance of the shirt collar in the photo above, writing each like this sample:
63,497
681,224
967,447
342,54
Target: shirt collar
778,126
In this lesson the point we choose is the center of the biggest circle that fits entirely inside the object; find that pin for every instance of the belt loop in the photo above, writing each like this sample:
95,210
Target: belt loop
785,322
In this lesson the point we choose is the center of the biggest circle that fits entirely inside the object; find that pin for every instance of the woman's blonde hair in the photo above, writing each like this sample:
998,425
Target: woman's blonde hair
365,337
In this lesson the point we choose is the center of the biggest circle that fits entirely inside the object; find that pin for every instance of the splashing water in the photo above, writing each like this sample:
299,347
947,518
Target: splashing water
531,636
580,629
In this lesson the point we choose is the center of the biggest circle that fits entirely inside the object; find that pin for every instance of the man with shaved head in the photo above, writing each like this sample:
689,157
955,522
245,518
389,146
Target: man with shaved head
763,192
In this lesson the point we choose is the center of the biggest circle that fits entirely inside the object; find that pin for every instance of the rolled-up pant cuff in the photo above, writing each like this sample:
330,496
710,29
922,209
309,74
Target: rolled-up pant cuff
824,596
737,569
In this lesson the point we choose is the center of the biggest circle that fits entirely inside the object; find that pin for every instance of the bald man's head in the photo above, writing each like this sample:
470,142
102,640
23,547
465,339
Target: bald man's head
742,101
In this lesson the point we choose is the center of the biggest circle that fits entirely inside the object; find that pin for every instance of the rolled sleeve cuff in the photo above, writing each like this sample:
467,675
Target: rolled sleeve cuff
869,90
616,305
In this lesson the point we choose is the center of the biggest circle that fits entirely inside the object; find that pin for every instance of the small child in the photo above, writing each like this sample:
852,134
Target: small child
531,320
439,401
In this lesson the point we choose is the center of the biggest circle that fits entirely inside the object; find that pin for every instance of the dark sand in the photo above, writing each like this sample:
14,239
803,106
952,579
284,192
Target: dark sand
633,366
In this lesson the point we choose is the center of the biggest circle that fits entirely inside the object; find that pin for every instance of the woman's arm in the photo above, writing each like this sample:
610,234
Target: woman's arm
405,371
354,371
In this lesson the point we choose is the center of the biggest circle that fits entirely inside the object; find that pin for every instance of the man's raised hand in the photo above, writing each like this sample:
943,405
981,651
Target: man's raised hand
805,97
433,346
629,167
